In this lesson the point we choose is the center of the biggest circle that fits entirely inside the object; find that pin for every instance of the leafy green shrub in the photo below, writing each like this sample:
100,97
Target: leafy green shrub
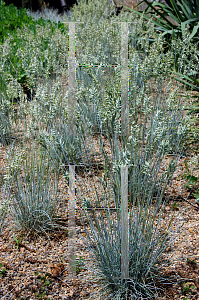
11,18
24,59
34,199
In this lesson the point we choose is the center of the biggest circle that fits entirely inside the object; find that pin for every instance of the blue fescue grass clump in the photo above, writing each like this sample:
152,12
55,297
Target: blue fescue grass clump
5,129
34,193
61,146
5,124
4,206
149,235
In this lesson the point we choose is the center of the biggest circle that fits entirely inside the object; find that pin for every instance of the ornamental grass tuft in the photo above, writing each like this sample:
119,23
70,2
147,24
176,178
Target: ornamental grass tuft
34,193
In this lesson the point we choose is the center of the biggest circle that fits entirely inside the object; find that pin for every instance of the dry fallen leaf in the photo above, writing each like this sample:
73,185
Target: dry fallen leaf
56,269
31,260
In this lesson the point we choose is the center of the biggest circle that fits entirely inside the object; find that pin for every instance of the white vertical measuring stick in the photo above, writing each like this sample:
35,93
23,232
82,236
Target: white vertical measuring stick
71,131
124,169
71,81
124,223
124,81
71,224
